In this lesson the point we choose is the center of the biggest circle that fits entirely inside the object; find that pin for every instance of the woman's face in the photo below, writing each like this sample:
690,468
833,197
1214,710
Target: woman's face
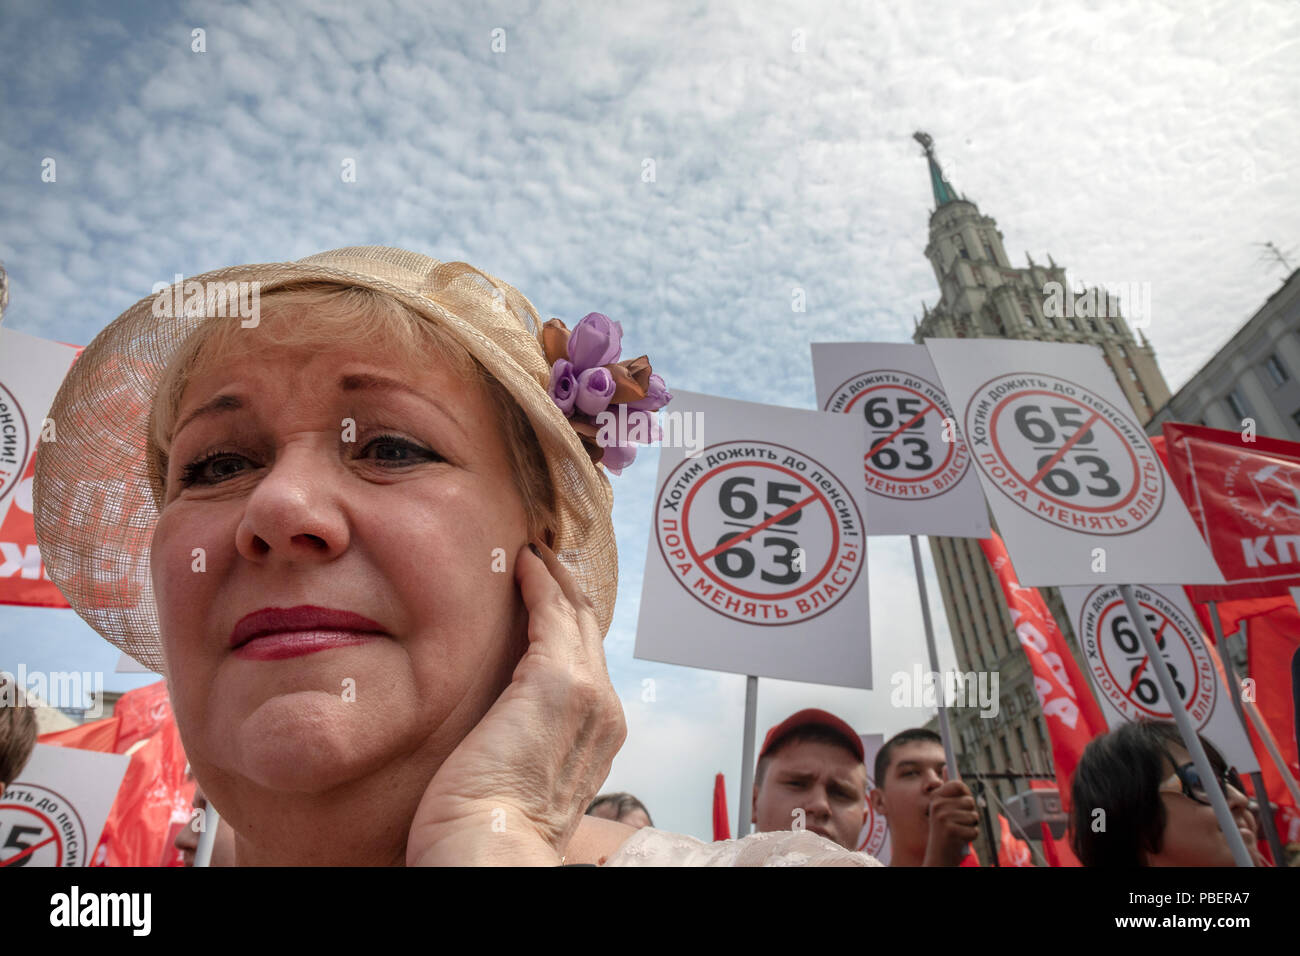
1192,836
347,482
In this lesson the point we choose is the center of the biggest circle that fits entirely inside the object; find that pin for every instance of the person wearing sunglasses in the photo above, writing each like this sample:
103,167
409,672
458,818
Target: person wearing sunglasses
1138,800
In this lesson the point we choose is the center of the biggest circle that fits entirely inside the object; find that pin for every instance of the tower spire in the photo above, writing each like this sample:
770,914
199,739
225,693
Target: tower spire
943,191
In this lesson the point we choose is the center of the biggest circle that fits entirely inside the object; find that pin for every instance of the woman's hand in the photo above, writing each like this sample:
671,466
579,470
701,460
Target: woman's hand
515,789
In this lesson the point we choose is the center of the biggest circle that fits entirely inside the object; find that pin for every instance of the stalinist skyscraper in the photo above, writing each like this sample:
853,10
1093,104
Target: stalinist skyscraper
982,295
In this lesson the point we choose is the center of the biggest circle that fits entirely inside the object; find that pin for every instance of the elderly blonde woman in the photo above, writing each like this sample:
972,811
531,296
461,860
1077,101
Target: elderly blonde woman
364,531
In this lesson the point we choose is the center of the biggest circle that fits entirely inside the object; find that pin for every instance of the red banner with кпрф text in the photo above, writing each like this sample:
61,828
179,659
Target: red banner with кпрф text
1245,498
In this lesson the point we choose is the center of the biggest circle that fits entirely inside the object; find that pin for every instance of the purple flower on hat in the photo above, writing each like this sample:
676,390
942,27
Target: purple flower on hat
595,341
618,457
595,389
657,396
587,379
564,386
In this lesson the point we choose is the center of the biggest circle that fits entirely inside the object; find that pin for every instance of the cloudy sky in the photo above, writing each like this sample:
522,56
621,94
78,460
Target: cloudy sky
1148,142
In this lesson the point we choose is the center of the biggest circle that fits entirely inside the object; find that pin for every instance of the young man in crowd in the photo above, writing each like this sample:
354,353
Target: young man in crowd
931,820
811,775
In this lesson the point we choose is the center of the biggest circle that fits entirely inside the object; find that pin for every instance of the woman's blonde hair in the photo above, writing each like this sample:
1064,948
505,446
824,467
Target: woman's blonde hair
367,320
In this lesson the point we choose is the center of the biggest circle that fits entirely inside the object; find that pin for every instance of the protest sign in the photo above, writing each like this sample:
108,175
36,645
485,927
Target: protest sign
1078,492
1120,670
53,813
756,561
917,470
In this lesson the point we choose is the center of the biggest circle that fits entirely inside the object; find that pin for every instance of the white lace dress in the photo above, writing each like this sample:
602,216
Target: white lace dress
651,847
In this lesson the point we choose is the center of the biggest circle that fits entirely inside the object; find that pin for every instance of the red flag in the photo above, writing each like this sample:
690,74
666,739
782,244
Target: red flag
721,826
1245,499
1012,851
154,789
136,831
1070,711
1272,636
1232,613
143,713
1271,642
98,735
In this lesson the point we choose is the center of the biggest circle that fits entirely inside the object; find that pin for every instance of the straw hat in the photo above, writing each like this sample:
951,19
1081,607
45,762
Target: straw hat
97,498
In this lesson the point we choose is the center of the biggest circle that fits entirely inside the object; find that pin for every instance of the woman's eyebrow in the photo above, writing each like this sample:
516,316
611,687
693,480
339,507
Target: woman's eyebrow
365,381
222,403
359,381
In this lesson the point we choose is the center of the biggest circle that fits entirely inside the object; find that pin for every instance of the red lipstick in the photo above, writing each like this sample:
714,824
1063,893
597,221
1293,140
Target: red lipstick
275,633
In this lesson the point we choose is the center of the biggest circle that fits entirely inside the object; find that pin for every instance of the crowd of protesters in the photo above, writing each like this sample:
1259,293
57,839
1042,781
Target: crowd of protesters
1137,798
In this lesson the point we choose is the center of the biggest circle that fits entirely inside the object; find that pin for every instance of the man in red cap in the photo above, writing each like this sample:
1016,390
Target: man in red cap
811,776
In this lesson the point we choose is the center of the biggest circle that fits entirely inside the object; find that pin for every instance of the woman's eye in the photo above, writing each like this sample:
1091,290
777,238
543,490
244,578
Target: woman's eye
389,450
398,451
212,469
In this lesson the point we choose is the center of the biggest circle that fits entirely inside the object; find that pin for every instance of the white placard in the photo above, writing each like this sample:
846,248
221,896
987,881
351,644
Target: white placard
126,664
917,470
874,837
756,561
1123,680
1077,490
53,814
31,371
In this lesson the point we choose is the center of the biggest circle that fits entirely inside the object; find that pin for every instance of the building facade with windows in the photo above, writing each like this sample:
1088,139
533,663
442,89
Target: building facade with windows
982,295
1256,375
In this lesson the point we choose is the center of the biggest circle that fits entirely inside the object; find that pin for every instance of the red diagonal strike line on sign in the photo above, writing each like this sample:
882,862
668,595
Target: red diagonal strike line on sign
1060,452
732,542
902,428
1145,660
27,852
